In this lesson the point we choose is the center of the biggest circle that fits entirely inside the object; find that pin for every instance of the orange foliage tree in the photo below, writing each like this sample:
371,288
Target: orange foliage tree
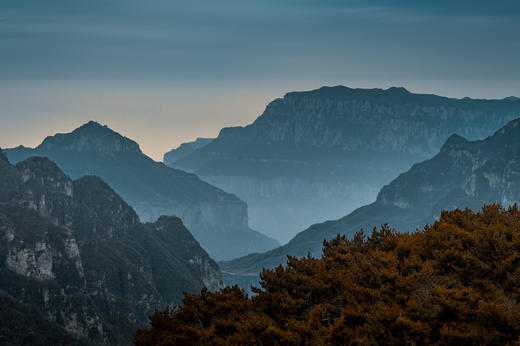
455,282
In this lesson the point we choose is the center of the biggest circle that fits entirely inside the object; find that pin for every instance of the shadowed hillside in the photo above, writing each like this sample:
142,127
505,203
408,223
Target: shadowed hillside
76,252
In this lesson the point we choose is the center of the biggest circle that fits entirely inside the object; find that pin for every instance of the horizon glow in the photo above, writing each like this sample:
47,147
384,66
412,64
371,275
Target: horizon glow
167,72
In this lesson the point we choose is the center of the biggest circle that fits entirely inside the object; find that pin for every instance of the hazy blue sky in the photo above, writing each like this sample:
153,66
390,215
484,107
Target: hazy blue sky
163,72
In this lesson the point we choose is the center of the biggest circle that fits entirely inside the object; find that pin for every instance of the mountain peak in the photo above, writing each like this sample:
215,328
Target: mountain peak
91,137
511,128
398,90
41,167
92,124
93,127
454,141
109,211
185,149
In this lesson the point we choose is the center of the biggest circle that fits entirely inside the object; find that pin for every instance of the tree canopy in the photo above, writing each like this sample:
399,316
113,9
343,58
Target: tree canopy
456,281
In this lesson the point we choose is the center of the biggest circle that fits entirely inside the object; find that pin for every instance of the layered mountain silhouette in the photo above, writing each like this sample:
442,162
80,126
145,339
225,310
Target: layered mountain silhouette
316,155
217,219
463,174
77,253
184,150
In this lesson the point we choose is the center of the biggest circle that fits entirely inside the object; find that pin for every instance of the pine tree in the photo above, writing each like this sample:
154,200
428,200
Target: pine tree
454,282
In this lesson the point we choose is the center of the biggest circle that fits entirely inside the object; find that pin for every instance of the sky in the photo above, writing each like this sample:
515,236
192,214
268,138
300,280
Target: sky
167,71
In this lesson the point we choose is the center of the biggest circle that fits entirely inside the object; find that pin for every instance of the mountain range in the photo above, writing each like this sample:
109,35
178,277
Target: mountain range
462,174
316,155
218,220
78,264
77,253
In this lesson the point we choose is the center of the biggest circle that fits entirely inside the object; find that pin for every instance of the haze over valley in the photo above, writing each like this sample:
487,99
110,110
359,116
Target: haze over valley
317,155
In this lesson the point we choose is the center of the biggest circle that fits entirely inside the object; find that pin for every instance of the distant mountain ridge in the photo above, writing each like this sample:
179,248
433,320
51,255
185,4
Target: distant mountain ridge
91,137
462,174
218,220
77,252
316,155
184,150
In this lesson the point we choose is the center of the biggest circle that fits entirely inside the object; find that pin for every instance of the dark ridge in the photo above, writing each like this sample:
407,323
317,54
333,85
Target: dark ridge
393,93
398,90
42,167
343,92
3,158
453,142
106,206
169,221
512,128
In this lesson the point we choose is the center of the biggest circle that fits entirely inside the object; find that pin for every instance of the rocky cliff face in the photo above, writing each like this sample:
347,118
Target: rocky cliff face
334,148
23,324
77,252
463,174
392,120
218,220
